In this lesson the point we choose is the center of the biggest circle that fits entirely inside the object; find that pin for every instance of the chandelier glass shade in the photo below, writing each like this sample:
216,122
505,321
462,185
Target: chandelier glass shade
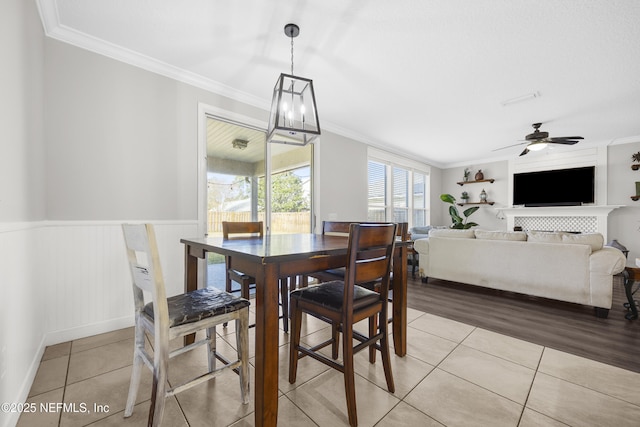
294,116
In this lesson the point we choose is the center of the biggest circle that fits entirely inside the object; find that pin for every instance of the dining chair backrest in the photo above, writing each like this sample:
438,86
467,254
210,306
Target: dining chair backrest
369,256
146,272
336,228
341,228
242,229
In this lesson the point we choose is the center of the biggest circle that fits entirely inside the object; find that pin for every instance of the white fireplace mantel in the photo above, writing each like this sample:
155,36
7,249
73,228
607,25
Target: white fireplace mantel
598,214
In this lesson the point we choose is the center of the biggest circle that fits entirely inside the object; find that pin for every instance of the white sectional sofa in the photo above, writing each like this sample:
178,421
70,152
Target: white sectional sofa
568,267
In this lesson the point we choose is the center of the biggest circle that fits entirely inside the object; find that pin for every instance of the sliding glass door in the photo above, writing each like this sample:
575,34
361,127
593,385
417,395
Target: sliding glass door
248,181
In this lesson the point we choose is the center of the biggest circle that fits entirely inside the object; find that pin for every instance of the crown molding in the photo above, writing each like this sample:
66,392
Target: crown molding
55,30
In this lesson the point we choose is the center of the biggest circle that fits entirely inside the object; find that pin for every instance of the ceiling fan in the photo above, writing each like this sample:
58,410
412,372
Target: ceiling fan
538,140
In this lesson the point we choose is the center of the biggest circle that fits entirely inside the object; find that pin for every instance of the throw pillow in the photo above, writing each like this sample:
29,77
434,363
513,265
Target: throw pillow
595,240
449,232
544,236
515,236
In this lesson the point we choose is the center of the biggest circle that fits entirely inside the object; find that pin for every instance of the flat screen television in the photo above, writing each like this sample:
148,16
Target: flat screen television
559,187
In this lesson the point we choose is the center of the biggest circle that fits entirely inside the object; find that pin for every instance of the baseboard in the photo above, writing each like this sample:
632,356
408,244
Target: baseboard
57,337
25,387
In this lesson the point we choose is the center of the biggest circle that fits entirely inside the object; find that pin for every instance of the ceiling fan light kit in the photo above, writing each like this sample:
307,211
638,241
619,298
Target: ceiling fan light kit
294,116
537,146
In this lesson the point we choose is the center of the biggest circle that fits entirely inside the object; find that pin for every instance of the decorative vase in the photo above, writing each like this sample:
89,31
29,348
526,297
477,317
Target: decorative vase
479,175
483,196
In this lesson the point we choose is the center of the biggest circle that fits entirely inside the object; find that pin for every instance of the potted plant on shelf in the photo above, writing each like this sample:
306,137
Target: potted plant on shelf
636,158
457,221
467,172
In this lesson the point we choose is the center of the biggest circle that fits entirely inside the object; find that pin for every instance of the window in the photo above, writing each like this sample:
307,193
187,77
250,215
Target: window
398,190
377,192
400,194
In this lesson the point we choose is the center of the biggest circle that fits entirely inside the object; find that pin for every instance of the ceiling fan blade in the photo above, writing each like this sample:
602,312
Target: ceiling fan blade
566,137
565,142
526,150
513,145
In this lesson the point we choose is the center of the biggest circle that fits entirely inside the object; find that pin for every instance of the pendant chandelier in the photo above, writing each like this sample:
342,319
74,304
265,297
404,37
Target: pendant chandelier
294,117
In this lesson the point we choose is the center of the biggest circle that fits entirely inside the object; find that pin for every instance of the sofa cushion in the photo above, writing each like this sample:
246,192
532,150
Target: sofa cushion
450,232
517,236
595,240
544,237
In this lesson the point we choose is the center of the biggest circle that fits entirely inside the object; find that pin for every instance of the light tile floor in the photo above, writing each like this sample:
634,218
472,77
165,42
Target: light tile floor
454,375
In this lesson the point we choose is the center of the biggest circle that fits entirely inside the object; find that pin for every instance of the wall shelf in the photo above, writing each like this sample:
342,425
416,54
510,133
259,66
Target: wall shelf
461,183
475,203
635,198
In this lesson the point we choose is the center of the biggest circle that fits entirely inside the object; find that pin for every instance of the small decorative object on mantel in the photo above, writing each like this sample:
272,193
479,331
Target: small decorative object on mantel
615,244
465,196
636,158
483,196
467,172
479,175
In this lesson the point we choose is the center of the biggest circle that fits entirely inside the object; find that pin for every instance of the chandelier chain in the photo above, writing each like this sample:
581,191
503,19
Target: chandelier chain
292,55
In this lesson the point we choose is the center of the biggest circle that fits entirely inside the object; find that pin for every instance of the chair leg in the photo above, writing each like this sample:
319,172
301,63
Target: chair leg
159,391
284,296
242,342
335,336
386,358
211,348
294,340
136,371
227,278
373,329
349,376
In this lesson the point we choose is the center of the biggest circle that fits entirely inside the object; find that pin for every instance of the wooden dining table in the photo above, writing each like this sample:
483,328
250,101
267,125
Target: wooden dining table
285,255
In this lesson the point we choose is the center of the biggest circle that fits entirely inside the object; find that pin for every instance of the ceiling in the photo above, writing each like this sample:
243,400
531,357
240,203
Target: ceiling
424,78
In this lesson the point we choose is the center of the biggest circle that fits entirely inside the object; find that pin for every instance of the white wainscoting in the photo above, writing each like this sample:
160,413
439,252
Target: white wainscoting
22,326
86,278
66,280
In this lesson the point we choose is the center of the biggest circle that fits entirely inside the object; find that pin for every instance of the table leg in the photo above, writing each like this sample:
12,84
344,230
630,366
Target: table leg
400,301
267,336
629,280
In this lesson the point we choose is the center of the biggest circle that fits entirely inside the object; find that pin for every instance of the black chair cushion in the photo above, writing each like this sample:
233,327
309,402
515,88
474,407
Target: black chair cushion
199,304
330,295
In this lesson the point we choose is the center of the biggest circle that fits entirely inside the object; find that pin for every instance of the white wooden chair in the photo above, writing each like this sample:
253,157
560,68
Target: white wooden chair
164,319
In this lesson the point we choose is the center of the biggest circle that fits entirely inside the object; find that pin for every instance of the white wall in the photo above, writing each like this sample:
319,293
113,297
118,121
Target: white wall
21,113
22,168
343,187
487,216
624,223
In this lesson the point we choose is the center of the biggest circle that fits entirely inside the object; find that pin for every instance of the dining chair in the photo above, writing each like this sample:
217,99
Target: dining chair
243,230
236,230
341,303
163,319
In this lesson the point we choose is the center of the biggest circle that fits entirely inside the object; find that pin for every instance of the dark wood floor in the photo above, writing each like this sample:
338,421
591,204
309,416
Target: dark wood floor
567,327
